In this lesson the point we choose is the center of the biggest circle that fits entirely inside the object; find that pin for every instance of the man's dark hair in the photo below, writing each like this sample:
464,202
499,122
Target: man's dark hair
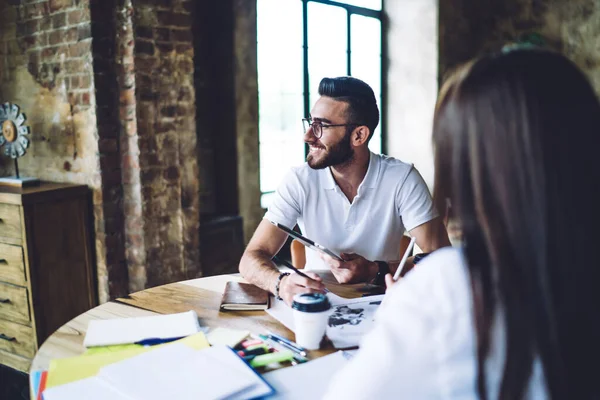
362,106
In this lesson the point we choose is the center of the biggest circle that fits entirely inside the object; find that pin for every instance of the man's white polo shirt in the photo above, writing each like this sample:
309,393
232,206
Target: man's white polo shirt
391,198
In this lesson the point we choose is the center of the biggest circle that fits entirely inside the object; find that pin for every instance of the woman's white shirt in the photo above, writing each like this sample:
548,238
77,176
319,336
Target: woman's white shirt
424,344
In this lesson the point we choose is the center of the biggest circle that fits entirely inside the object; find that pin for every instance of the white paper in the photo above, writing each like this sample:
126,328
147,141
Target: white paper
180,372
92,388
237,366
282,313
306,381
349,321
130,330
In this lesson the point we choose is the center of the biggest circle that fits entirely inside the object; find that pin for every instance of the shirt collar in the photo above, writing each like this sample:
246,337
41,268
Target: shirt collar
369,181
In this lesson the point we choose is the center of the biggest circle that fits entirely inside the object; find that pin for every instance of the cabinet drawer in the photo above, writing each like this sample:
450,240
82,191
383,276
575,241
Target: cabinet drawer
10,221
17,339
12,267
13,303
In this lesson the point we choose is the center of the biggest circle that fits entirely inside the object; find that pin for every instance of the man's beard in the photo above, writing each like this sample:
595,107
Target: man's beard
340,153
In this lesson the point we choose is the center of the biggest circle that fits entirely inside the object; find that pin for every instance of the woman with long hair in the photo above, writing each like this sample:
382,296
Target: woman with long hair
513,313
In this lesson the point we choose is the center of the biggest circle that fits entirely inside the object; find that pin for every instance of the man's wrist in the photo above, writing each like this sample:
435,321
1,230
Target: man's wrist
383,269
280,279
373,271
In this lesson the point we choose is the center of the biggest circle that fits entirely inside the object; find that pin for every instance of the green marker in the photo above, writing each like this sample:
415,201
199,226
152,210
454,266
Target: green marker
270,358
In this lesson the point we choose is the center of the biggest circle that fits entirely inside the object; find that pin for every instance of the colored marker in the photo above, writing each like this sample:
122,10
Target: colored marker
270,358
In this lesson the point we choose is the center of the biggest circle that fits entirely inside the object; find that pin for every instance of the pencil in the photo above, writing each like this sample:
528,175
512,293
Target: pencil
296,270
404,258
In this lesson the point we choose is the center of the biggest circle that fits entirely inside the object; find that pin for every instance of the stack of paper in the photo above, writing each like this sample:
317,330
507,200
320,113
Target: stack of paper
66,370
171,372
109,332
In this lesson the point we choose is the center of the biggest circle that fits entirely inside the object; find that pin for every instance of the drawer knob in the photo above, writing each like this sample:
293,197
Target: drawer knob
7,300
3,261
7,338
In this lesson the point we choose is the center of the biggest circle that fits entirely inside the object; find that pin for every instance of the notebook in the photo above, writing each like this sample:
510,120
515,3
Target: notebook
244,296
171,372
65,370
109,332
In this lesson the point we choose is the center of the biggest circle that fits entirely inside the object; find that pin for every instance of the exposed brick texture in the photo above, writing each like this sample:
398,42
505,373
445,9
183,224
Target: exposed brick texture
104,25
110,87
46,68
164,74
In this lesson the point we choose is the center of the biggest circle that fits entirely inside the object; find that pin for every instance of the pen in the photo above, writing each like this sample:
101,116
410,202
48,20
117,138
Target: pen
300,353
404,258
296,270
277,346
153,341
287,342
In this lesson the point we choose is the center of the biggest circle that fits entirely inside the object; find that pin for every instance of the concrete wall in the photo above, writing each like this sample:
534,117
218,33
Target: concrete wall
412,81
468,27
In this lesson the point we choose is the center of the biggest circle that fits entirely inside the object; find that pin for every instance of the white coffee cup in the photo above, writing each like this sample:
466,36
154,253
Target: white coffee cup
311,314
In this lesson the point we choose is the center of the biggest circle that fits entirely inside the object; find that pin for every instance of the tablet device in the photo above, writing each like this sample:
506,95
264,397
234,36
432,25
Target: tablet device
306,241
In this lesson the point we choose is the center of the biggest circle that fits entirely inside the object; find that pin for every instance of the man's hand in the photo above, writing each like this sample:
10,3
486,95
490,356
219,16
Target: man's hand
293,284
353,269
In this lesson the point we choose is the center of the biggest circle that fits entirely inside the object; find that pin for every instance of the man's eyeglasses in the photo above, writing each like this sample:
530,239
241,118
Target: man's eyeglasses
318,126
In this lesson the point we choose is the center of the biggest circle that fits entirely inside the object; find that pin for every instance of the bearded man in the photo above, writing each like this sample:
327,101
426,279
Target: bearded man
345,198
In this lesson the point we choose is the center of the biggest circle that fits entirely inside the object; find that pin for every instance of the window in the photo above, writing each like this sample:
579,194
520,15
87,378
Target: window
300,42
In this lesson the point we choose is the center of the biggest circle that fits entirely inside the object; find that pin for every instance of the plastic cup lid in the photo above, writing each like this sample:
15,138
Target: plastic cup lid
311,302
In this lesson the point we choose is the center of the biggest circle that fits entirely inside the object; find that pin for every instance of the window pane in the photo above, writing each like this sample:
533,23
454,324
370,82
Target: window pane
280,86
365,57
327,44
372,4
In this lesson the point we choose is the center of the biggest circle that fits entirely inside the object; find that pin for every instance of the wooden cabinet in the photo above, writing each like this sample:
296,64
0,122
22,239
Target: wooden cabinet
46,265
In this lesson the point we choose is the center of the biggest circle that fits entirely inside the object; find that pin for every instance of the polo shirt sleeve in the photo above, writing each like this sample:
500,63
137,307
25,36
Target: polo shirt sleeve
413,201
286,205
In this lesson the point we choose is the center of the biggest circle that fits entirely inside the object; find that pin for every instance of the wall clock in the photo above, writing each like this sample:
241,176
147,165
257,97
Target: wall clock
14,141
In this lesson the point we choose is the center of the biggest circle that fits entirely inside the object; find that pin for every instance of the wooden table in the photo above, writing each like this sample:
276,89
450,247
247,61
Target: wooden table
202,295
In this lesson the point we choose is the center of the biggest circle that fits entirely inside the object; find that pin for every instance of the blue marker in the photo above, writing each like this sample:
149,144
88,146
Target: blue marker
155,341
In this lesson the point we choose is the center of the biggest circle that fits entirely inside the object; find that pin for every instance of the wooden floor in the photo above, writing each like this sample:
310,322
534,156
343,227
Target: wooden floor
14,385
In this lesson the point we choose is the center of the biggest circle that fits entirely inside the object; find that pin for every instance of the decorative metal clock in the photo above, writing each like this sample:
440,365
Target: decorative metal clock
14,138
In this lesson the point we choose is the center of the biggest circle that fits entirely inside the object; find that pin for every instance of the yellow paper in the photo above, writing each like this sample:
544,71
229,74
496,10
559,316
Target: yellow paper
65,370
227,336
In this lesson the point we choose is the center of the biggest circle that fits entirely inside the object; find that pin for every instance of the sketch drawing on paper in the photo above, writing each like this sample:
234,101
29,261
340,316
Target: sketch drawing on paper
344,315
350,320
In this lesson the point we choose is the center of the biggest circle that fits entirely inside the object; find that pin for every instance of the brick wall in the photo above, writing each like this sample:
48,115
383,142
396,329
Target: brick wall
104,17
46,68
118,113
167,137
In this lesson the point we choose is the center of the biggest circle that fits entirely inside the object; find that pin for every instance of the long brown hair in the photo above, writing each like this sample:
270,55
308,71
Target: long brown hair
516,140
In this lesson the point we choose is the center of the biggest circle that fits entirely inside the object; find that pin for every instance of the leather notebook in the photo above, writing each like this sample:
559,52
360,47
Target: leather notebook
244,296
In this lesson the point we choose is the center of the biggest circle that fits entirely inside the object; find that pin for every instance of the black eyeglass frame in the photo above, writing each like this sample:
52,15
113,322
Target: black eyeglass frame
308,123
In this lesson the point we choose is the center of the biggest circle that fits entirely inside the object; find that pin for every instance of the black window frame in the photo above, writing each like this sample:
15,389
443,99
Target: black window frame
350,9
